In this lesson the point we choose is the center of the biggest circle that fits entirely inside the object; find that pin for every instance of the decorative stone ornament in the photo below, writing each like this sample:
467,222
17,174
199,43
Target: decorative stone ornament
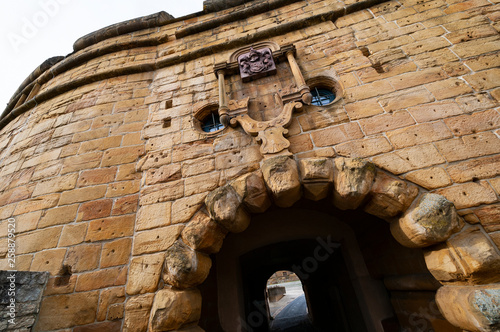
256,64
251,63
270,133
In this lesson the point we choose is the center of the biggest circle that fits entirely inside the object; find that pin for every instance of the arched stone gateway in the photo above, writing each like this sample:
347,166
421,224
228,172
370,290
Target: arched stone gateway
460,256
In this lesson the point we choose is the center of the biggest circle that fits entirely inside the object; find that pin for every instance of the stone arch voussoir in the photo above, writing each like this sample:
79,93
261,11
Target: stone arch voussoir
418,219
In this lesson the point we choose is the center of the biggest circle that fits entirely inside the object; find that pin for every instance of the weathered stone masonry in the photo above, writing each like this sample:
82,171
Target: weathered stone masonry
120,196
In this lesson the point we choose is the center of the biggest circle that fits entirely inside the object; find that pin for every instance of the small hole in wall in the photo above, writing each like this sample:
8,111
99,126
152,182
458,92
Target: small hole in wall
168,103
378,68
365,51
167,122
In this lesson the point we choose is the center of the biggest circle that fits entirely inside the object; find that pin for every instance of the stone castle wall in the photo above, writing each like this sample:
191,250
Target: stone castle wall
102,165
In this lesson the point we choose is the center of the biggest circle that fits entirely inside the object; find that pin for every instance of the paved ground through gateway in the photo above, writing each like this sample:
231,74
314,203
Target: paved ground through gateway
290,312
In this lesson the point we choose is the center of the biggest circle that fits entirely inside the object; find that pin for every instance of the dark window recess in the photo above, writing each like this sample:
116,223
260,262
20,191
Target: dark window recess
211,123
322,96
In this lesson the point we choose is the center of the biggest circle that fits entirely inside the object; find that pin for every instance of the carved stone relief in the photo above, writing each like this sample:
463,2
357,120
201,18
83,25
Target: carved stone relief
256,64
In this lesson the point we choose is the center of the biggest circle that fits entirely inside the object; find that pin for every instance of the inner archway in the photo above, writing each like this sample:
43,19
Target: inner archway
343,282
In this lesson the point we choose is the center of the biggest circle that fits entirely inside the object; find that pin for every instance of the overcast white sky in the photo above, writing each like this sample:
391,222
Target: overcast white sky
32,31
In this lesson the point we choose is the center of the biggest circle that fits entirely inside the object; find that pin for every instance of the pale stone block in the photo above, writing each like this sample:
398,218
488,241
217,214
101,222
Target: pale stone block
432,220
252,189
472,308
225,207
389,197
203,234
144,274
185,267
353,179
174,308
281,176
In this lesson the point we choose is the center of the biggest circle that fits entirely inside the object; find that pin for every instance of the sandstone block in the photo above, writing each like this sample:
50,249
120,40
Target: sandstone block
110,228
83,257
475,258
116,252
389,197
430,178
58,215
203,234
472,123
480,168
442,264
38,240
94,209
225,207
73,234
201,183
419,134
82,195
154,215
469,194
363,109
123,188
402,161
472,308
431,220
162,192
97,176
252,189
156,240
125,205
24,223
353,179
489,217
198,166
128,172
144,274
137,310
116,276
185,267
100,144
119,156
63,311
386,122
48,260
60,285
184,209
81,162
281,176
108,297
163,174
316,176
232,159
57,184
337,134
36,204
174,308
